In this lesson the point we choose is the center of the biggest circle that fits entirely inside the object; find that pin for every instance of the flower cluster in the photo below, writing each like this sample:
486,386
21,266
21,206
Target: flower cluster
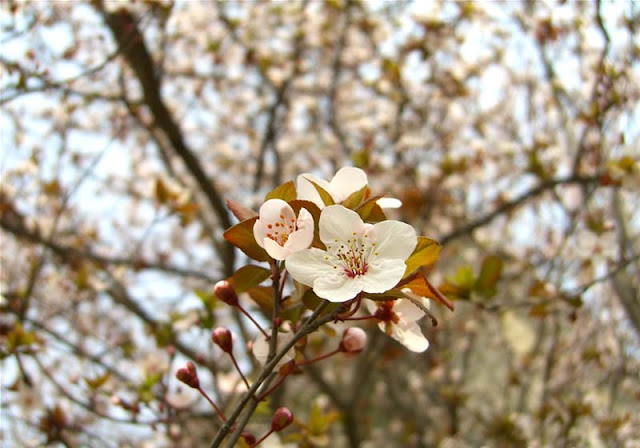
337,244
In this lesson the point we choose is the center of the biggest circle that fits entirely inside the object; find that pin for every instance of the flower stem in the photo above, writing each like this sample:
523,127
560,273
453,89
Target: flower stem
235,363
218,411
319,358
246,313
259,441
310,325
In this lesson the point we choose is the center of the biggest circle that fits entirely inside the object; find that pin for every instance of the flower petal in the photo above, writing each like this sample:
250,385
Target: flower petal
308,265
407,311
339,223
337,287
382,275
307,191
271,210
276,251
259,232
389,203
410,336
346,181
261,349
394,239
301,238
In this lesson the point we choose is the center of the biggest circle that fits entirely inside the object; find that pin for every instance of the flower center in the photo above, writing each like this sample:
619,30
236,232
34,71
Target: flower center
385,313
353,256
280,230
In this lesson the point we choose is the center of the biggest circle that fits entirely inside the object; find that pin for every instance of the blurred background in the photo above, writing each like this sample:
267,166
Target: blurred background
509,130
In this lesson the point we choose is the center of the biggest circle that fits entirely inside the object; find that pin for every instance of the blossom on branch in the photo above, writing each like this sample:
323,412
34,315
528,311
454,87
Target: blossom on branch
347,180
398,319
279,232
359,257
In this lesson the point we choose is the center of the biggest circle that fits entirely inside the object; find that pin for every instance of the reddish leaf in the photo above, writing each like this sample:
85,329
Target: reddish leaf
241,236
263,296
240,212
248,276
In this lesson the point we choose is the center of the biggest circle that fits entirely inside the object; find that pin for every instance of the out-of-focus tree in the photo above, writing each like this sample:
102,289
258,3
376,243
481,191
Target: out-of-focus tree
509,130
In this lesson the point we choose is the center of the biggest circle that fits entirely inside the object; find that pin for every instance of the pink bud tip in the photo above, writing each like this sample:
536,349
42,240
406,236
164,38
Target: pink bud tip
189,375
222,338
282,418
353,340
225,292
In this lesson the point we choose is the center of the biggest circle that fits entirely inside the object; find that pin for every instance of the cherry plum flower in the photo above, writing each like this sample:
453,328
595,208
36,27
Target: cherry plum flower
279,232
346,181
359,257
398,319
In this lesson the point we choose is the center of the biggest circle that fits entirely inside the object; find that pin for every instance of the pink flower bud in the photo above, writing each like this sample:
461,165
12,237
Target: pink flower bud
353,340
282,418
189,375
222,338
225,292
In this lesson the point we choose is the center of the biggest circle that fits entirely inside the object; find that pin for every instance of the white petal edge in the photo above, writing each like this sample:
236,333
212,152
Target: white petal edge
383,274
389,203
346,181
306,191
394,239
307,265
337,288
410,336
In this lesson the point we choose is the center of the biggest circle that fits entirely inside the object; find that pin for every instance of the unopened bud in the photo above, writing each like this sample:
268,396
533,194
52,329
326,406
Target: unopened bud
353,340
249,438
225,292
282,418
189,375
222,338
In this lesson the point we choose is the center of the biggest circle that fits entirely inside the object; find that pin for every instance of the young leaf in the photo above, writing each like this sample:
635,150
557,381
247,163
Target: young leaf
248,276
286,192
240,212
419,285
489,275
355,198
426,253
370,211
324,195
263,296
241,236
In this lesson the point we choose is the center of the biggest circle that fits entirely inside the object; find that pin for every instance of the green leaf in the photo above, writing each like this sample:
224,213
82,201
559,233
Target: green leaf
463,278
324,195
97,382
286,192
249,276
356,198
241,236
489,275
426,254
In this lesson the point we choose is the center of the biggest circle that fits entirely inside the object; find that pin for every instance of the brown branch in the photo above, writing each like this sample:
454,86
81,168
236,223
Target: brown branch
16,227
517,202
131,44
